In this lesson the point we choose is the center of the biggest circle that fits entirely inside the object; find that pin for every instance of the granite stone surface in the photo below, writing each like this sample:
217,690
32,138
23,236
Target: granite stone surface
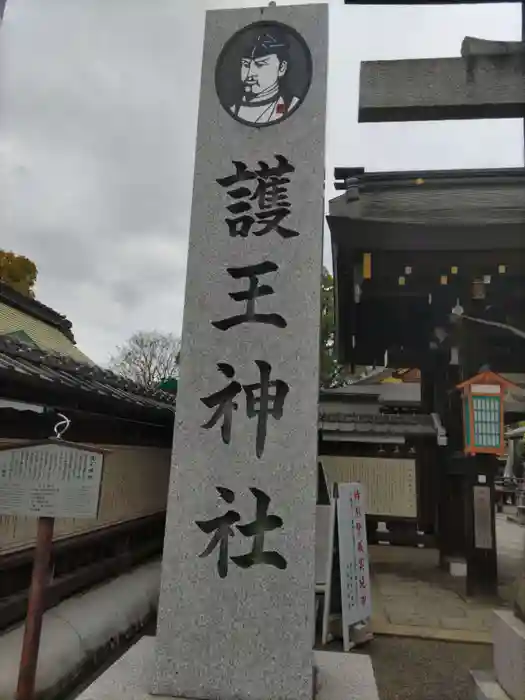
472,46
520,599
519,602
509,653
235,621
473,87
486,687
340,676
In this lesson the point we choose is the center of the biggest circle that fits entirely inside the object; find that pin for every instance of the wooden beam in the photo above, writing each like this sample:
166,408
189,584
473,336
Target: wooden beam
472,87
371,236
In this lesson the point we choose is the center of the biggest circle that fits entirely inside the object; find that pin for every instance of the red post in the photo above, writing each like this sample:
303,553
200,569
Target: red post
35,610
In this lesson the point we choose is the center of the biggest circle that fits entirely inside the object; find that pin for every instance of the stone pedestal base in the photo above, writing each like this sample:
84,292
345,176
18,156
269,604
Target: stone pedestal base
487,687
508,679
339,676
520,600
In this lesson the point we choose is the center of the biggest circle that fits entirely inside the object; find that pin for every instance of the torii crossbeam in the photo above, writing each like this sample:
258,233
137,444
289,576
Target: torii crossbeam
480,69
486,82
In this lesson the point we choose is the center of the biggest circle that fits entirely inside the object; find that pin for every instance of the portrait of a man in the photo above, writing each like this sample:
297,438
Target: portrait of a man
265,70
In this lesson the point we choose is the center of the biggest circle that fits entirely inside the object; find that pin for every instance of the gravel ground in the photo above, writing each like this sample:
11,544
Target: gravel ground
417,669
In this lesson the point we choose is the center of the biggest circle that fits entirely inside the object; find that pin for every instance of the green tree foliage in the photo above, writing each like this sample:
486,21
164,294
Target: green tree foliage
330,370
18,272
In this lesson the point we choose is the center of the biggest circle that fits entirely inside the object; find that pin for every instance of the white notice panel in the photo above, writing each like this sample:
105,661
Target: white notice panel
353,555
390,483
50,480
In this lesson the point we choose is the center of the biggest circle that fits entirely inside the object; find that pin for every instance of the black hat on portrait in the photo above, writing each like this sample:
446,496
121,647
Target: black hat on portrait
263,73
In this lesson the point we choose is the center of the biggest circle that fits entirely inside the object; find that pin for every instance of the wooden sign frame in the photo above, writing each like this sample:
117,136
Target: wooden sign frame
52,488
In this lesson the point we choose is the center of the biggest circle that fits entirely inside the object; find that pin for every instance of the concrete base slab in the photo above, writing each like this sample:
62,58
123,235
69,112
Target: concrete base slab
382,628
340,676
344,676
509,653
487,687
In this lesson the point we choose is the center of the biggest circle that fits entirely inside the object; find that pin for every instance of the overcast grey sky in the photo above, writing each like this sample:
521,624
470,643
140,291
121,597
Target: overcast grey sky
98,111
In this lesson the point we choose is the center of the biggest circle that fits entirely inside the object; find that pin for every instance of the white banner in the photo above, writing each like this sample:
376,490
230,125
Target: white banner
353,554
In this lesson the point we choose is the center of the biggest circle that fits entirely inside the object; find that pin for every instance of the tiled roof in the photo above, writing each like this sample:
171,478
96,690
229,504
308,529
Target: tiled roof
394,424
36,309
402,394
54,380
15,322
31,371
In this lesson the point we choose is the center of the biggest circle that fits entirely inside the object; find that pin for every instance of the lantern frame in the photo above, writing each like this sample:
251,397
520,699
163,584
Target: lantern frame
482,396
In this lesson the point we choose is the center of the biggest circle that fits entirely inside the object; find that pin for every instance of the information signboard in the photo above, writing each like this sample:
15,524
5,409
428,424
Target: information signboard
52,479
390,484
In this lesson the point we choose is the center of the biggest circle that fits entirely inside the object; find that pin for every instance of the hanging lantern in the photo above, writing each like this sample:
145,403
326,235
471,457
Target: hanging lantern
483,412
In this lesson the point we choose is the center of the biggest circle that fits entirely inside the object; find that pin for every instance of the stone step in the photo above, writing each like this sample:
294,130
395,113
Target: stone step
487,687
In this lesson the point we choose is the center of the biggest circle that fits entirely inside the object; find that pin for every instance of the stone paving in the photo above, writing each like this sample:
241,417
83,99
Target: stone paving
413,597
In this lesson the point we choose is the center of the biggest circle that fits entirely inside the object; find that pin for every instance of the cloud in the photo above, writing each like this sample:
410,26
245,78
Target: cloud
98,110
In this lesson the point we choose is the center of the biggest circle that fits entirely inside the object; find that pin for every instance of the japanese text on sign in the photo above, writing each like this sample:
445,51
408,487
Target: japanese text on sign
353,548
50,480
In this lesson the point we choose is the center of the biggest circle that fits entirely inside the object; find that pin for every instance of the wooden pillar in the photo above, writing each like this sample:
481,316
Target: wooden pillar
428,389
482,561
438,381
478,489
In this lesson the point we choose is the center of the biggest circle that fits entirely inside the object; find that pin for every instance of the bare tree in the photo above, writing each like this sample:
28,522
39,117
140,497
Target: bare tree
148,358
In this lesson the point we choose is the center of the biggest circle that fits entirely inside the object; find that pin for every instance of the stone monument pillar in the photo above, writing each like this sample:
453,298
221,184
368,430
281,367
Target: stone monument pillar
520,593
236,610
236,616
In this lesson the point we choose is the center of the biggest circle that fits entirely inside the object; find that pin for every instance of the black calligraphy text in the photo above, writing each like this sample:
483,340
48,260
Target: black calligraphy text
222,527
270,196
264,399
254,291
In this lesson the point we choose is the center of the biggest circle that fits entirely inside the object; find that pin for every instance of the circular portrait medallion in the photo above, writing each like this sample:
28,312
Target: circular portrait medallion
263,73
